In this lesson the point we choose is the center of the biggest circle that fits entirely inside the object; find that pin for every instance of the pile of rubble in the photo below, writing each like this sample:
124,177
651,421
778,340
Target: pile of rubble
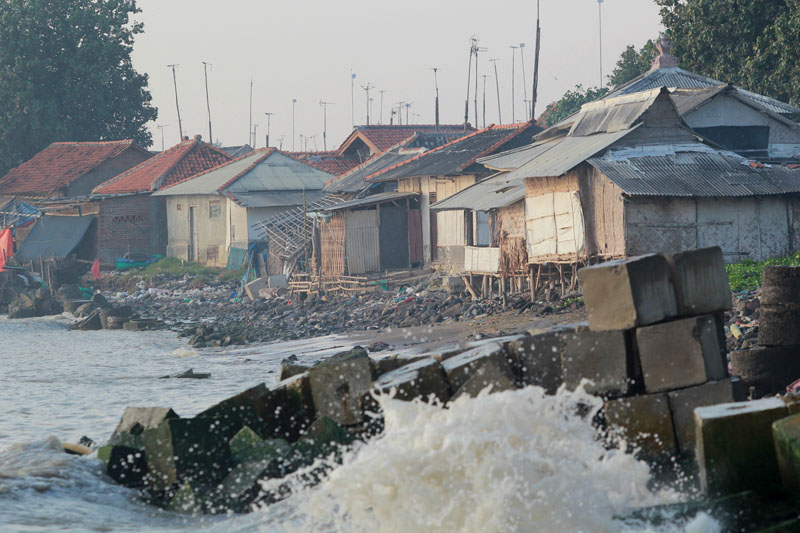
21,296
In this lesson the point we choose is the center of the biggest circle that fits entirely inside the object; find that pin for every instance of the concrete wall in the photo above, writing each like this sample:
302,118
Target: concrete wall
83,186
213,233
745,228
135,223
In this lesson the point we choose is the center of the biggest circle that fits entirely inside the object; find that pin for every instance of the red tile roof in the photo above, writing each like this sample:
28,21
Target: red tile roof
382,137
328,162
169,167
60,164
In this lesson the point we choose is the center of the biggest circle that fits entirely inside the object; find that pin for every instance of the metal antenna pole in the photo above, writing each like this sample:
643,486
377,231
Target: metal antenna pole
477,49
294,103
255,135
473,42
600,20
250,131
269,116
535,92
177,106
208,103
524,85
367,88
513,96
400,113
325,123
352,98
497,82
380,120
484,100
161,130
436,109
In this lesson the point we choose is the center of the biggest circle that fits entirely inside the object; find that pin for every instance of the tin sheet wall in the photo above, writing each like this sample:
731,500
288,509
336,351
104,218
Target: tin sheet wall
362,242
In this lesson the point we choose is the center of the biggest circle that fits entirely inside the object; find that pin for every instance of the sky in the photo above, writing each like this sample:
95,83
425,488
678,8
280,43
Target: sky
306,50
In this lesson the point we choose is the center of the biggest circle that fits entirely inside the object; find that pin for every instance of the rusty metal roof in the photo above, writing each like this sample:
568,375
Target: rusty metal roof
695,172
371,200
513,159
492,193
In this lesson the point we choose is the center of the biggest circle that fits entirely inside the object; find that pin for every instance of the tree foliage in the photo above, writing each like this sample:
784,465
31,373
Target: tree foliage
750,43
66,75
633,63
570,103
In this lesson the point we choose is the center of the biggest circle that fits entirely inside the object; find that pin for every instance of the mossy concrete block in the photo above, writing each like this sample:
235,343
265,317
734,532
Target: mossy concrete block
246,446
683,402
538,358
461,367
127,466
701,282
182,449
786,434
681,353
628,293
289,409
646,422
136,420
185,501
600,356
487,375
735,449
423,379
338,385
241,410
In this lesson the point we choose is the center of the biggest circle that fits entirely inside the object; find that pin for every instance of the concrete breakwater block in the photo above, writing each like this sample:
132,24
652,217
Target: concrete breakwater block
135,420
337,387
735,449
487,375
538,358
460,368
767,370
125,465
680,353
424,379
683,402
288,410
700,280
628,293
786,434
644,421
143,324
600,356
240,410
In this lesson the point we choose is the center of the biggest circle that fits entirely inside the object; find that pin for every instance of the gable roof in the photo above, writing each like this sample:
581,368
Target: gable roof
689,100
456,156
170,166
330,162
382,137
237,151
492,193
60,164
263,170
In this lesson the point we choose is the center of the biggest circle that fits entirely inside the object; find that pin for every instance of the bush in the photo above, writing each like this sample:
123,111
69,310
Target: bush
746,276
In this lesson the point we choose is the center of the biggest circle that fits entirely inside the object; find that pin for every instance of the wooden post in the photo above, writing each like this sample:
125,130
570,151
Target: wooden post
503,290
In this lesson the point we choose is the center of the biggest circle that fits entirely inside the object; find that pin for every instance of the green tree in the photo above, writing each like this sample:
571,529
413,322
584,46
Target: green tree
569,104
633,63
66,75
751,43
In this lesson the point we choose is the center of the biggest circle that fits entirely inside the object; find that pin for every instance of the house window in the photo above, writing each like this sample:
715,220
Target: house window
432,197
179,207
214,209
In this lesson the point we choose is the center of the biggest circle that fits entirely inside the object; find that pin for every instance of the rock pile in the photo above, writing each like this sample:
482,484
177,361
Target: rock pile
22,297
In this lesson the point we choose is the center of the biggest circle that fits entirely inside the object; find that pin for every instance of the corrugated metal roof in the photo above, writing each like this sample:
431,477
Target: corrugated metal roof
15,212
370,200
701,173
513,159
54,236
275,198
612,114
567,153
491,193
675,77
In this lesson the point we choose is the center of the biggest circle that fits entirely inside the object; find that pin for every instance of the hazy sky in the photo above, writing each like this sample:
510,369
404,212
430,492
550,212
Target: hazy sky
306,50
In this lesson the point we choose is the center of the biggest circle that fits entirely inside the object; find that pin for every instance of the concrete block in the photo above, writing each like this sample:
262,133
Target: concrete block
337,387
646,422
786,434
777,325
247,445
780,285
600,356
683,402
185,501
278,281
680,353
423,379
487,375
735,449
628,293
460,368
289,409
701,283
252,288
768,370
185,449
538,358
240,410
127,466
135,420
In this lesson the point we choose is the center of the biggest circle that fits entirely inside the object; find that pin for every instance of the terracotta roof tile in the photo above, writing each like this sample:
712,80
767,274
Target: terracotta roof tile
382,137
328,162
169,167
60,164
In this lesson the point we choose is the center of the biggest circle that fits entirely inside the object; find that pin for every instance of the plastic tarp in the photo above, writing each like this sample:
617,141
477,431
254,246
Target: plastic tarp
554,224
6,246
54,236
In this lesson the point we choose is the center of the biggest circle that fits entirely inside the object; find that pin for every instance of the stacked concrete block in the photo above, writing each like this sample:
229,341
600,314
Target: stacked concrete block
644,422
602,357
701,284
683,402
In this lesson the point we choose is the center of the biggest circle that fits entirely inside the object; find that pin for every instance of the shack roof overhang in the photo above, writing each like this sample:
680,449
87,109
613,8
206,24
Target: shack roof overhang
379,198
492,193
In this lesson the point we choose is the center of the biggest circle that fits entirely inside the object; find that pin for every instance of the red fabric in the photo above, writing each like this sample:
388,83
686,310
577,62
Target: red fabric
96,270
6,246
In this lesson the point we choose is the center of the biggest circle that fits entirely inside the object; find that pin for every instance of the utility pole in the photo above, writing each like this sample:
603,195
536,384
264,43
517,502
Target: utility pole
524,85
269,116
380,120
497,82
473,44
408,109
353,98
294,103
280,140
250,127
436,84
255,136
208,103
177,106
477,49
513,95
535,92
161,130
400,113
367,88
324,106
484,100
600,20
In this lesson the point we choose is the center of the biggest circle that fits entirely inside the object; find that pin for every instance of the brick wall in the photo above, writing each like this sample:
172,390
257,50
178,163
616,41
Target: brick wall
130,224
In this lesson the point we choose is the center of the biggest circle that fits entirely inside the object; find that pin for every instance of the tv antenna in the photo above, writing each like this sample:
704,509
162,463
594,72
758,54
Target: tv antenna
367,88
324,106
177,106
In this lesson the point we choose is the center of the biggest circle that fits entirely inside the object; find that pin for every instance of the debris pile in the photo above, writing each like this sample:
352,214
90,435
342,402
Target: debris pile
22,297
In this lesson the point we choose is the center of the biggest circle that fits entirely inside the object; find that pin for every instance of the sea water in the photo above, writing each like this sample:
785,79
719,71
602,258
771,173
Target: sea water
514,461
